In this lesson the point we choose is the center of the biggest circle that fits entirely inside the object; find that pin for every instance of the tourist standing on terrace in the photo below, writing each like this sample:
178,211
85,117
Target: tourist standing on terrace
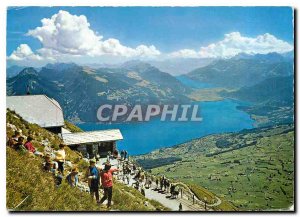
107,183
93,179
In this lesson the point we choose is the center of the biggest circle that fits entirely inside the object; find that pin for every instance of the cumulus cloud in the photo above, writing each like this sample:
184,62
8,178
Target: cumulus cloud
71,34
64,36
234,43
23,52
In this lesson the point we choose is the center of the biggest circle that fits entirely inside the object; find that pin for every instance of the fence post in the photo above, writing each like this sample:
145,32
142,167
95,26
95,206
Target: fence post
181,192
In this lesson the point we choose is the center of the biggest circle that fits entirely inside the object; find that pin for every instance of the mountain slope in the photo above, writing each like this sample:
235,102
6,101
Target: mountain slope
243,71
275,91
81,90
271,101
29,188
253,169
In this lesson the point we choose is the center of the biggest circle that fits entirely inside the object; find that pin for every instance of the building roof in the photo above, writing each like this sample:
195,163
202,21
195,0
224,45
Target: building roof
37,109
92,137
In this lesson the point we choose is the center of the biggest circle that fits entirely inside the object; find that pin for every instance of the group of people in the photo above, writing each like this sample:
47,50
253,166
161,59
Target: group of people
17,142
54,163
124,155
94,175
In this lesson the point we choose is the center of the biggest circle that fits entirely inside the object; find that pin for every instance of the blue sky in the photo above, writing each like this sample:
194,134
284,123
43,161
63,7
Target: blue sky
169,29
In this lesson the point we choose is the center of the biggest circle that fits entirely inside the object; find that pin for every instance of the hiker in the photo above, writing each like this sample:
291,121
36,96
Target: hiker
107,183
122,155
93,179
168,185
165,185
47,164
108,156
180,207
28,145
126,155
72,178
14,139
60,156
19,145
51,167
143,190
161,183
115,154
156,182
172,191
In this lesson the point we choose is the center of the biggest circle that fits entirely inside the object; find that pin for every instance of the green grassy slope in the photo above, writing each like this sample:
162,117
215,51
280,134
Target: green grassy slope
253,169
26,179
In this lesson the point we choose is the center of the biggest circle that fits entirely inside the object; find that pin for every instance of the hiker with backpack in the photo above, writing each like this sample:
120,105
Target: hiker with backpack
107,183
93,176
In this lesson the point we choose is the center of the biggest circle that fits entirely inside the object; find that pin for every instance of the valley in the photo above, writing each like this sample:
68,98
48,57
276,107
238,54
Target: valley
253,169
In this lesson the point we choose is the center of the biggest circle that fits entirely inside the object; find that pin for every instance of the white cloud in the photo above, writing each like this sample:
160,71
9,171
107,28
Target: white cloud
67,37
234,43
69,34
185,53
23,52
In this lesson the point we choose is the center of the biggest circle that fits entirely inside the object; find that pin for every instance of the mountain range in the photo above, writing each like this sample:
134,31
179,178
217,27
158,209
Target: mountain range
263,80
81,90
244,70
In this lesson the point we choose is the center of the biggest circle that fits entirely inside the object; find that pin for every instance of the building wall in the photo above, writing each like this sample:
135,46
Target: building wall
101,148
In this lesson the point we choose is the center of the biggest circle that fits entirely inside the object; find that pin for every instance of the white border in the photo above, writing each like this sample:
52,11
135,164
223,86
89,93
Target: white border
5,3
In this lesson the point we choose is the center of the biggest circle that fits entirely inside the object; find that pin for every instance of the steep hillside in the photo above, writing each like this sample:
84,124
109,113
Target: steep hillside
253,169
81,90
240,72
29,188
275,91
271,101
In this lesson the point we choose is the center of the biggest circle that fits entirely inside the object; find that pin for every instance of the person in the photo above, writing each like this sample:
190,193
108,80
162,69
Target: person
93,179
60,156
107,183
115,154
72,178
122,154
125,154
19,145
180,207
143,190
48,165
172,191
28,145
108,156
14,139
156,182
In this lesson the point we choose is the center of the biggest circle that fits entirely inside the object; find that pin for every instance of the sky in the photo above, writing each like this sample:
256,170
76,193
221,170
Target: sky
39,35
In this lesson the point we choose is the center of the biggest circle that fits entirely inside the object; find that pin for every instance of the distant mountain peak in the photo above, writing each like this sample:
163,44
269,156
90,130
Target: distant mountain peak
136,65
28,71
61,66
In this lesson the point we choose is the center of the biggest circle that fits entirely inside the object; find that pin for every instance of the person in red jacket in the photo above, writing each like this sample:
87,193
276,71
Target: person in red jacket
107,183
28,145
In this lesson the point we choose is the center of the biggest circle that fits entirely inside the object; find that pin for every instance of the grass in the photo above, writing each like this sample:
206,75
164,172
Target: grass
71,127
250,177
29,188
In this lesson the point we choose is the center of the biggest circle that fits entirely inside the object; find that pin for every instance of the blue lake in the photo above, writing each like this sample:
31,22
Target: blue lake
143,137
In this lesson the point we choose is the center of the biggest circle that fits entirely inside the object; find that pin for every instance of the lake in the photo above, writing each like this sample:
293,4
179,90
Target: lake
143,137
